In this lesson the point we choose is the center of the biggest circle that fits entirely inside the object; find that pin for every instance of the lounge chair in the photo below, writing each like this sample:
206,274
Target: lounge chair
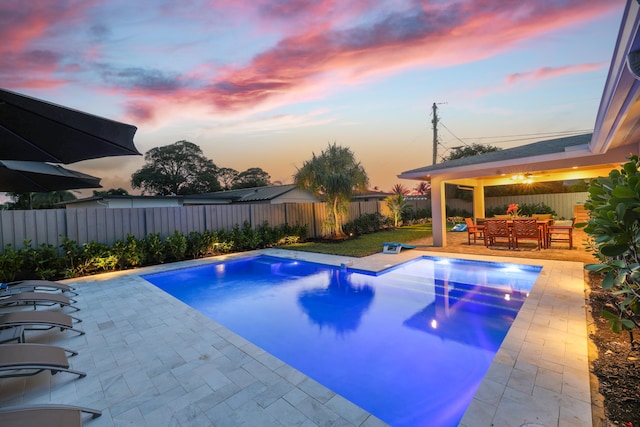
38,298
14,333
40,320
37,285
395,248
23,360
46,415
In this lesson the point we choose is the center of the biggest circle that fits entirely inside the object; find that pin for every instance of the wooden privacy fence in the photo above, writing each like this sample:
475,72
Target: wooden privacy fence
561,203
105,225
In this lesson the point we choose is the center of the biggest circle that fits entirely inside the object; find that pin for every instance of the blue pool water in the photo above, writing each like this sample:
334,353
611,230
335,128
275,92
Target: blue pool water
410,345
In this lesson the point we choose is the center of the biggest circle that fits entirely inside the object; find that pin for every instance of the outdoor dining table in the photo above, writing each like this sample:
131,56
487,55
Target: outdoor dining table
543,226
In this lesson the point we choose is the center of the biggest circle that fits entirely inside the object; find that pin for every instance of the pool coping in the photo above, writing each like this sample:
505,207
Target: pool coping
540,375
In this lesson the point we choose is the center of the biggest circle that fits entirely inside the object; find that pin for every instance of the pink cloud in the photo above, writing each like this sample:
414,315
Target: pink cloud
321,46
23,25
424,38
551,72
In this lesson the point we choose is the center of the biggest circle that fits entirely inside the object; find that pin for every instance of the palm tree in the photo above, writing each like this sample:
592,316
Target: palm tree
400,189
422,188
396,204
333,176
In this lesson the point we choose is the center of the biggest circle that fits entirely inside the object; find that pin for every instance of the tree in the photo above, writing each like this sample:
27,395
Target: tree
459,153
470,150
422,188
26,201
400,189
179,168
334,175
397,205
227,177
252,177
614,228
111,192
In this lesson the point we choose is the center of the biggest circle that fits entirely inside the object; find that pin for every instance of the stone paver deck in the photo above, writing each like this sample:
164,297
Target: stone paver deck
152,360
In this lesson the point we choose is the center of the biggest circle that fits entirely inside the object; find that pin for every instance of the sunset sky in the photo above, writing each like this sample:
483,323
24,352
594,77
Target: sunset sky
267,83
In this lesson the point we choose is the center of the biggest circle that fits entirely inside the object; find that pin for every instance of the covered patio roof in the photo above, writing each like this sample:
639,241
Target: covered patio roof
616,135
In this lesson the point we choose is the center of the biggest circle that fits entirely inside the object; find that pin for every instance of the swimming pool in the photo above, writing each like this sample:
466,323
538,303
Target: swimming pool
409,345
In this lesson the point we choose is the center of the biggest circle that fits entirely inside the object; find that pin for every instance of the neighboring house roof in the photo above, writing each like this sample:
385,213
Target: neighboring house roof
245,195
119,197
255,194
371,194
551,146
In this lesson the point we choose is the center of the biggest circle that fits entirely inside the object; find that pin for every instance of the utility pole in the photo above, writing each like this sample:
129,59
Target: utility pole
435,133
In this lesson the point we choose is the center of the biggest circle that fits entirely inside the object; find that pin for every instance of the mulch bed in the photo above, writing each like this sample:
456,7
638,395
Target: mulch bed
618,364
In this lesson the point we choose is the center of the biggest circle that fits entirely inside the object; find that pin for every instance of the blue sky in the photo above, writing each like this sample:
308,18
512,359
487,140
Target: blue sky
267,83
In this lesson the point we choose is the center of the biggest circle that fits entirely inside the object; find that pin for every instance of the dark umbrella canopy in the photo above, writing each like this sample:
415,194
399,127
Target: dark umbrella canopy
36,130
38,177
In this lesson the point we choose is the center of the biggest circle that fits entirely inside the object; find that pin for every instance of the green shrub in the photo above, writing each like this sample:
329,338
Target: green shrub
46,261
130,253
95,258
455,212
367,224
249,238
268,236
524,209
614,227
196,247
154,248
11,263
176,245
72,254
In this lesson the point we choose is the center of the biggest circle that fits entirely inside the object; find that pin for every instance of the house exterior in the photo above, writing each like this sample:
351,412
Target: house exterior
616,135
273,194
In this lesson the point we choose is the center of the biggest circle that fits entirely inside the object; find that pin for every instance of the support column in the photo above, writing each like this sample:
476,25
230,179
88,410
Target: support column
438,213
478,202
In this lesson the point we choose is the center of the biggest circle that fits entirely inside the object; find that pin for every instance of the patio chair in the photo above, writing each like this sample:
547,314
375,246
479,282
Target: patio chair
526,229
14,333
40,320
23,360
473,230
37,298
496,229
46,415
37,285
561,233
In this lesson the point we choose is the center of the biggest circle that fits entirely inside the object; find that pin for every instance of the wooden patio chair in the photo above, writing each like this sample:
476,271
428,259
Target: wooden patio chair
496,229
561,233
473,230
527,229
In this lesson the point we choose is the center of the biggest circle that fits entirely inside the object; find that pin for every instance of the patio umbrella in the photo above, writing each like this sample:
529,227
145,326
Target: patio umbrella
38,177
36,130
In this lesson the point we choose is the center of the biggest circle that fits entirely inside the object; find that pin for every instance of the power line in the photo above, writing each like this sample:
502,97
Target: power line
453,134
527,137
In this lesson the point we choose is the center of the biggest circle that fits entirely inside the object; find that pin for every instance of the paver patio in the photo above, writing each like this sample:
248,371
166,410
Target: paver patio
152,360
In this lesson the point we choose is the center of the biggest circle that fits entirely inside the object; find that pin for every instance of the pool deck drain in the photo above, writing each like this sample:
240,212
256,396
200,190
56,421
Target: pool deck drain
152,360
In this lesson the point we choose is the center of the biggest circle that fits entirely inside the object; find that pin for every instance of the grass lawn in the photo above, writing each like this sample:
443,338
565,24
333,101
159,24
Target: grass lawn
367,244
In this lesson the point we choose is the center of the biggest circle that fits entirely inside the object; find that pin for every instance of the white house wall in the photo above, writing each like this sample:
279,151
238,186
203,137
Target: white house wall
295,196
